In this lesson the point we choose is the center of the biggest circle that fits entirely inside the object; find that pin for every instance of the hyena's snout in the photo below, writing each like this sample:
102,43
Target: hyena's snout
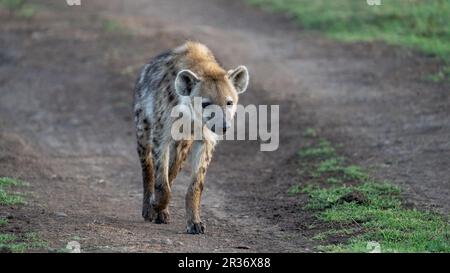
221,129
218,120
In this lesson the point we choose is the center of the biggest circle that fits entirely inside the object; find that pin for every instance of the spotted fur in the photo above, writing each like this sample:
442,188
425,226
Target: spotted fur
173,78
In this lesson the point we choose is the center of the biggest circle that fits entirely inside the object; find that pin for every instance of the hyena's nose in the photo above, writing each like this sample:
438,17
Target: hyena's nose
225,126
223,129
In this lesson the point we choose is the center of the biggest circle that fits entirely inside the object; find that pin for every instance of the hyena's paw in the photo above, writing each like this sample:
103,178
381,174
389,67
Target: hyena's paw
195,228
162,217
148,212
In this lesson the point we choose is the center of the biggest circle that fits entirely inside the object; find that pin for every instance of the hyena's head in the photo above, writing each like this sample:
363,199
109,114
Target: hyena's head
214,97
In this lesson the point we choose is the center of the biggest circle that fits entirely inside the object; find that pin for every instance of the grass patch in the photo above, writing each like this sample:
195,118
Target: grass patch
442,75
113,26
395,229
26,11
26,242
353,172
323,150
7,181
21,8
333,180
334,233
295,189
310,132
12,242
328,165
421,25
13,5
361,210
380,195
3,221
331,164
7,197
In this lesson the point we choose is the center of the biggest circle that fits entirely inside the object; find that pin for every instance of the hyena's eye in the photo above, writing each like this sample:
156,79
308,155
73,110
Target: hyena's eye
206,104
230,102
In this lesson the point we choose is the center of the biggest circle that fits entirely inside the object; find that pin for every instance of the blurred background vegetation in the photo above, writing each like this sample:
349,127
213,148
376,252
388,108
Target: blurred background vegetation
22,8
419,24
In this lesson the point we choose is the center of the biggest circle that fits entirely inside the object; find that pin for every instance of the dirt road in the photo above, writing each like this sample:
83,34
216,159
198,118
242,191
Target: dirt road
66,79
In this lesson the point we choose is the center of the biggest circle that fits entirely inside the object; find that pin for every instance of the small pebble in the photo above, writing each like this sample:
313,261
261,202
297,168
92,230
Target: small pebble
60,214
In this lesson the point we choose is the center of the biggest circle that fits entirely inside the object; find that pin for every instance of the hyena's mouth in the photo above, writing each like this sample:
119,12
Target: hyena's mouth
220,130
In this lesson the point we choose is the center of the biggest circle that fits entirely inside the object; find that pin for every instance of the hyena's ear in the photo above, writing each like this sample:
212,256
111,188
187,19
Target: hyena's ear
185,82
239,77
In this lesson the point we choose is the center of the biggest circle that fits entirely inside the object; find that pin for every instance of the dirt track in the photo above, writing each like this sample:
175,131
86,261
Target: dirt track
66,124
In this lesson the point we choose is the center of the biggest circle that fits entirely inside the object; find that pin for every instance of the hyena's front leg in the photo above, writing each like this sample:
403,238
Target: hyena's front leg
201,156
162,192
179,154
144,150
148,179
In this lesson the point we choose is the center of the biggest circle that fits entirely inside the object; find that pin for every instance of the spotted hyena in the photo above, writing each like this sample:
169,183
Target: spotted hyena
171,79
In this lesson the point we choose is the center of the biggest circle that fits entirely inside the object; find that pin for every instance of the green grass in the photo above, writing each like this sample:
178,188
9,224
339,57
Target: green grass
16,242
334,232
329,165
13,4
380,195
27,242
324,149
113,26
395,229
333,180
421,25
362,210
21,8
27,11
442,75
6,196
295,189
310,132
353,172
334,166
